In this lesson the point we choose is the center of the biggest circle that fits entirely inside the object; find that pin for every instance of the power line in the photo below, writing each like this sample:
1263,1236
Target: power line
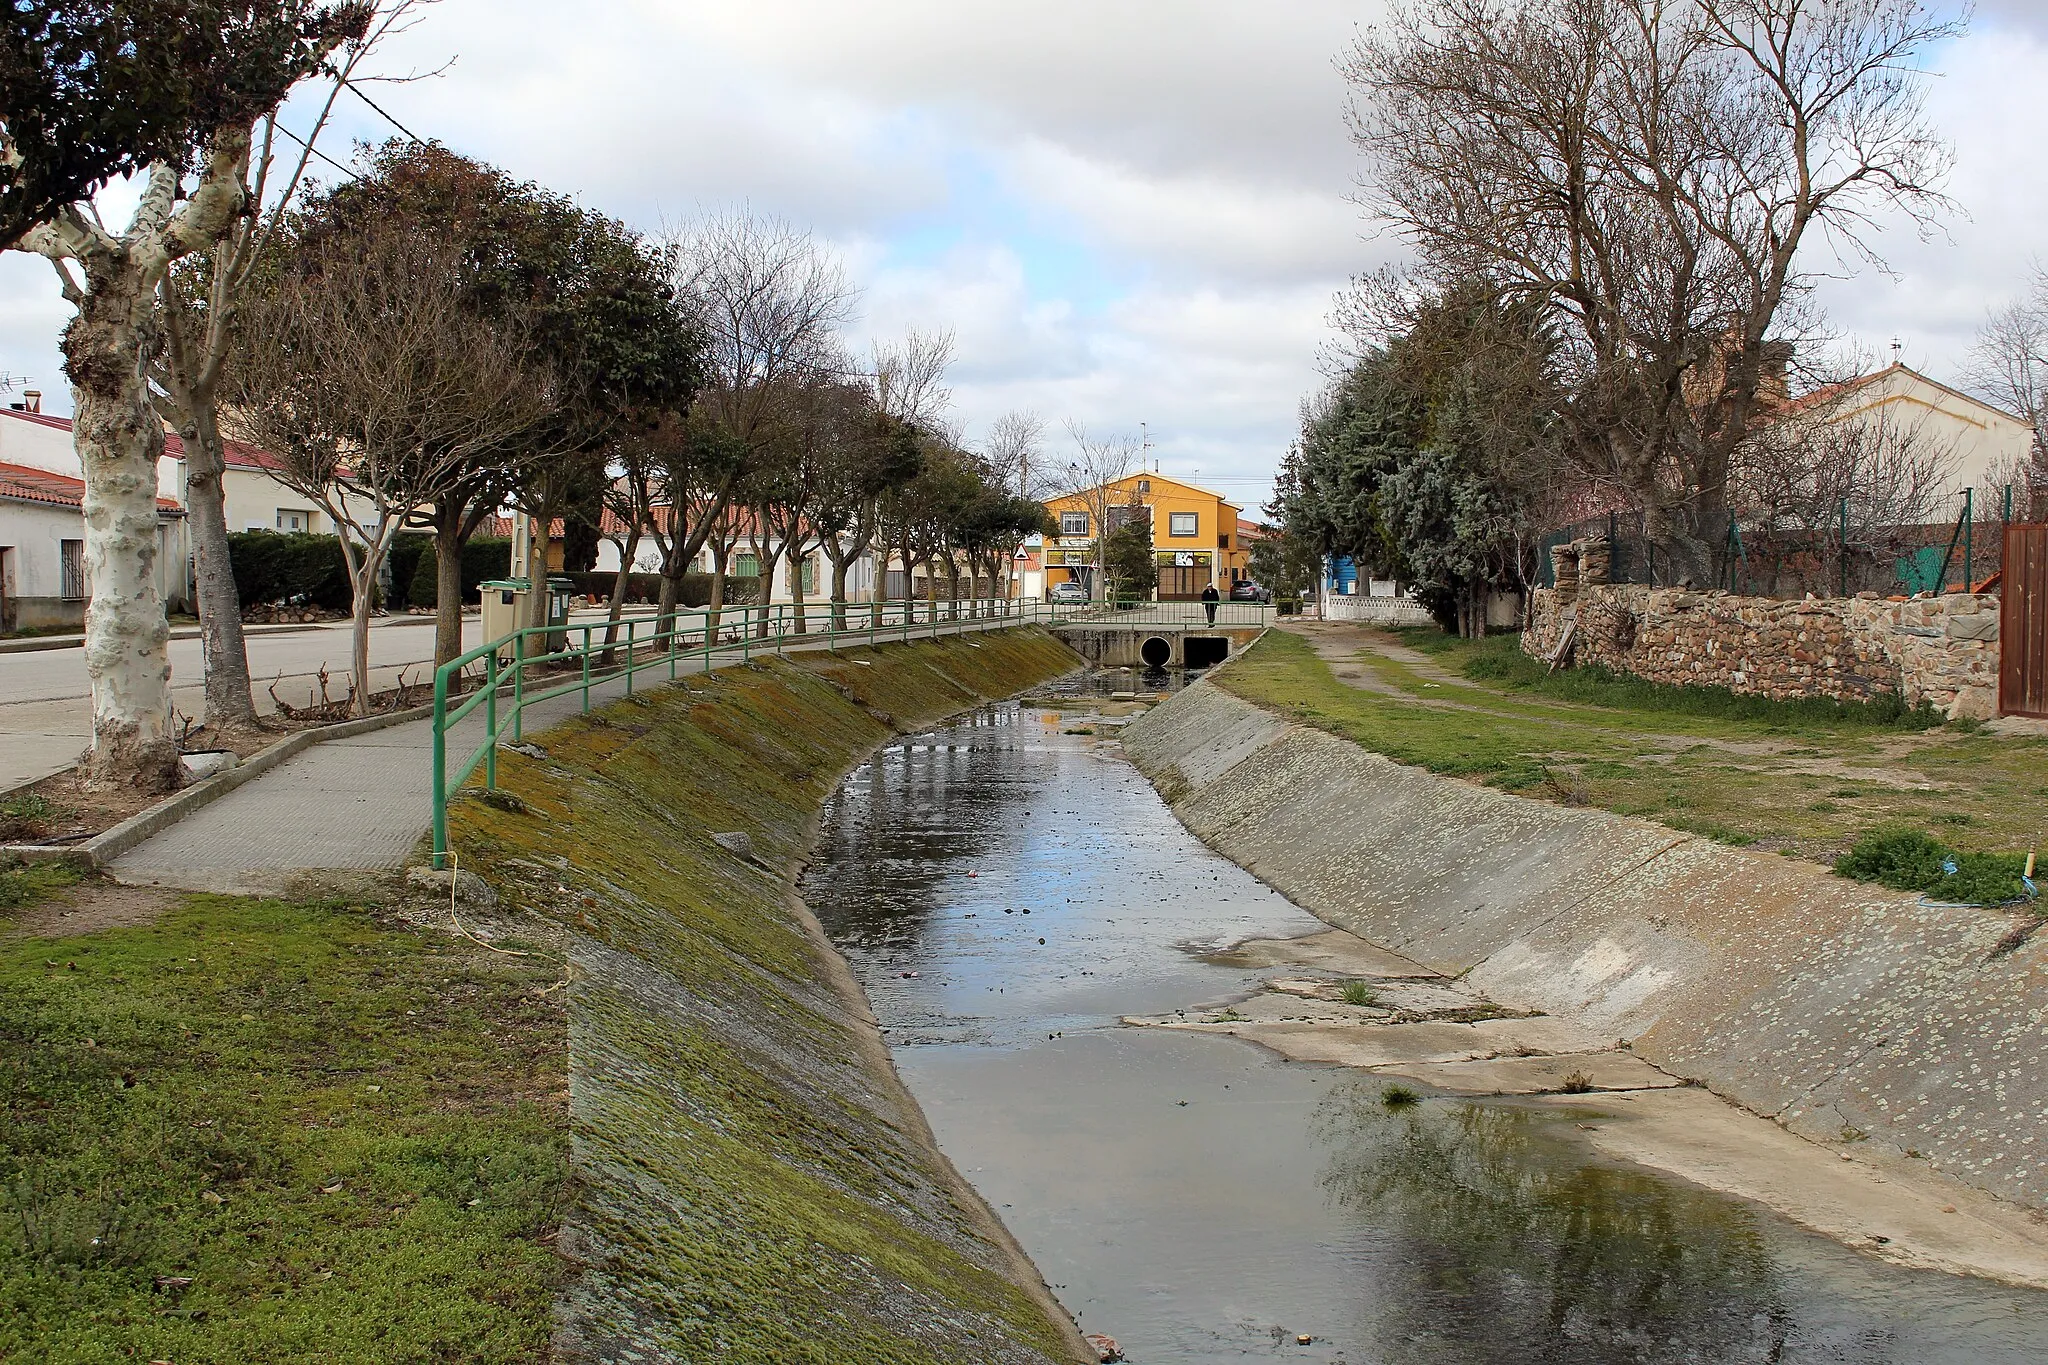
314,150
381,110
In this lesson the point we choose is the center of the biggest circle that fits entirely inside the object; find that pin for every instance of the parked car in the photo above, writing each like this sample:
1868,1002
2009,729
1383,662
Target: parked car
1245,590
1068,592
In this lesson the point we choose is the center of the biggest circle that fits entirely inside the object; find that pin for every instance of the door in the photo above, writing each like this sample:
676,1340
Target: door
2023,623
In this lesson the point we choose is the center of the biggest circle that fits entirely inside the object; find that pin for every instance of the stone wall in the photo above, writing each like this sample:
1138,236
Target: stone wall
1943,650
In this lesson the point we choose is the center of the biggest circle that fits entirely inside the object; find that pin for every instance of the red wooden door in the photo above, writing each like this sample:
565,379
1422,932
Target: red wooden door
2023,623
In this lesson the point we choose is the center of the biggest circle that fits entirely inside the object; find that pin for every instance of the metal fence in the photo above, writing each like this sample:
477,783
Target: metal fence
1838,560
504,678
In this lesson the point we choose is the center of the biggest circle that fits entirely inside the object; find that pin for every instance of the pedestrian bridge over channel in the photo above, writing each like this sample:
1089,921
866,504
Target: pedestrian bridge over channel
1164,634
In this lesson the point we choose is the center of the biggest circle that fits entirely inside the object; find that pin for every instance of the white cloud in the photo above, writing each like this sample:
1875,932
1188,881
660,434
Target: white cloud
1128,212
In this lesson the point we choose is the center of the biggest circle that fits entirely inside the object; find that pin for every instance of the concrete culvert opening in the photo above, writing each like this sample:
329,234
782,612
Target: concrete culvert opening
1156,652
1204,651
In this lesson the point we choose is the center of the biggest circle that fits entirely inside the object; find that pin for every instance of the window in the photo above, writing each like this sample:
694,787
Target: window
746,564
810,575
1180,524
294,519
1073,523
71,567
1144,485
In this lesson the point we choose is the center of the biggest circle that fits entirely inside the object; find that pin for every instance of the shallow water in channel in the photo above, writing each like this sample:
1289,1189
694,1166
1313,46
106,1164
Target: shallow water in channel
1203,1202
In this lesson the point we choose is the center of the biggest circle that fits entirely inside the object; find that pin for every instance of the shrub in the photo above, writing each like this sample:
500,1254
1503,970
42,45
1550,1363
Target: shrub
1907,859
482,558
283,566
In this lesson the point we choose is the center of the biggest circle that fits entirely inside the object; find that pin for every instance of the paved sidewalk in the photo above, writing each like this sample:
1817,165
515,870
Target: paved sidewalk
357,804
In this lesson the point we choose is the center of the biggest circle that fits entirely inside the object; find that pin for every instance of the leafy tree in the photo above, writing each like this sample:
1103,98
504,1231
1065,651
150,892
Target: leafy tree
1128,562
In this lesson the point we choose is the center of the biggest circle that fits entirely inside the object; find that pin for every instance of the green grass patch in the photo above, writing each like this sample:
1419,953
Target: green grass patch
1908,859
1360,993
260,1130
21,887
1717,775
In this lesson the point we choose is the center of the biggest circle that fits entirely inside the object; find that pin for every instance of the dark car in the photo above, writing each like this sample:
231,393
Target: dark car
1245,590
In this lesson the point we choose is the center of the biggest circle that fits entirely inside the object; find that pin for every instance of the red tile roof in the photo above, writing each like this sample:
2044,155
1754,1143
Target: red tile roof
239,456
23,484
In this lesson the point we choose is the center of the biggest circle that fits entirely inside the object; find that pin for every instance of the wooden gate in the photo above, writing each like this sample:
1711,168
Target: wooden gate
1180,583
2023,623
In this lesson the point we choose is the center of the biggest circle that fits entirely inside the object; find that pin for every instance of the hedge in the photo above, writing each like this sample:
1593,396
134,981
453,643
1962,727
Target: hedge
645,588
484,557
284,566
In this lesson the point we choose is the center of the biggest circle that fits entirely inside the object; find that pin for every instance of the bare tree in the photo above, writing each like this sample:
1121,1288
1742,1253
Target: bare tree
1094,467
1013,452
2009,366
379,388
769,304
200,309
1651,172
1842,487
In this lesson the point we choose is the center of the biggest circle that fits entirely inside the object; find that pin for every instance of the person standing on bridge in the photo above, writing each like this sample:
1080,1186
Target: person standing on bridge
1210,597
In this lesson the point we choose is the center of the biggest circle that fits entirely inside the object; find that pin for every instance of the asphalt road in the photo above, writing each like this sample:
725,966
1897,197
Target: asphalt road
46,699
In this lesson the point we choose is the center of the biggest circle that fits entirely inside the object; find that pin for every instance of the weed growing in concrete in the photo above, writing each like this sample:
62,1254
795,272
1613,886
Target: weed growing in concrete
1399,1097
1908,859
1360,993
1577,1083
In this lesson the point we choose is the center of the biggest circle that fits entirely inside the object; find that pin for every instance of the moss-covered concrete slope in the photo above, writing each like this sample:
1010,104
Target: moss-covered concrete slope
752,1180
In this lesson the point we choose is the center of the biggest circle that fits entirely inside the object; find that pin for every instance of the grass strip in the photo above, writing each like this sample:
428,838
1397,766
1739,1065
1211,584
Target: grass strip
267,1130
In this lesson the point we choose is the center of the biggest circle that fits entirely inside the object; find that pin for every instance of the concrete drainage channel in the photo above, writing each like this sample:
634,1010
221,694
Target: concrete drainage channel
1843,1011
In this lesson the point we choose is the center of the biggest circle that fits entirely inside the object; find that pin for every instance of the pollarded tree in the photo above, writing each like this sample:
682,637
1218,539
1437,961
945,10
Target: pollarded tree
200,304
380,389
88,92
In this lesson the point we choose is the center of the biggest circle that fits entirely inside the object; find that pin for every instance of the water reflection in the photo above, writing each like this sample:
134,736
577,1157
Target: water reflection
1512,1246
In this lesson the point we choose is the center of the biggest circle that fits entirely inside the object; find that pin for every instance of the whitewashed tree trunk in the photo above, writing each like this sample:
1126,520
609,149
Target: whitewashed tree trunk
119,441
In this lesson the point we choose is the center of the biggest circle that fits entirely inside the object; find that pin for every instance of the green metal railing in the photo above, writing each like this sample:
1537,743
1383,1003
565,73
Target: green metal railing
541,663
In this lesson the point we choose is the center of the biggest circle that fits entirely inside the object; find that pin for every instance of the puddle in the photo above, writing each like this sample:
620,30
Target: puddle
1202,1201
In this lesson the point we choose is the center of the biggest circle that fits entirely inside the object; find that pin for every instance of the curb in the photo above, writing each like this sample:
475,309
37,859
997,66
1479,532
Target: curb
95,853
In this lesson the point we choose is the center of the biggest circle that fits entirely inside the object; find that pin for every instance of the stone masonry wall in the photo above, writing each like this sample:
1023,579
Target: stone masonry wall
1943,650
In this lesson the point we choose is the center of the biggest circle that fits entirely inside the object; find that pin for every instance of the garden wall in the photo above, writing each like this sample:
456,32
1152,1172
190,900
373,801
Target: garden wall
1942,650
753,1182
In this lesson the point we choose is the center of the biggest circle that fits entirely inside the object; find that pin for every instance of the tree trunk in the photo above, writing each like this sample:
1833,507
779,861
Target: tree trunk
624,581
796,590
840,563
717,603
448,548
363,584
229,705
119,440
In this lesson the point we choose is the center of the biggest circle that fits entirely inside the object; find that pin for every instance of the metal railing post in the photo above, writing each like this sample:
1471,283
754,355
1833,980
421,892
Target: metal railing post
441,765
630,632
586,669
491,727
519,693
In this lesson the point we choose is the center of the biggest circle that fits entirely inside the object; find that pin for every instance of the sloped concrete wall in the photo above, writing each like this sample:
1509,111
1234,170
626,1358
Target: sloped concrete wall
1827,1004
752,1182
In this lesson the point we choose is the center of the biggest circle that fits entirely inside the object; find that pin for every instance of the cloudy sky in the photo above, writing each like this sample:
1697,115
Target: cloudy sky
1127,210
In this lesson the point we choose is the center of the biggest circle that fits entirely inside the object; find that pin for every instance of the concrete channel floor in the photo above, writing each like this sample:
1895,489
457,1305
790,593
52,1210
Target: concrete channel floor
356,804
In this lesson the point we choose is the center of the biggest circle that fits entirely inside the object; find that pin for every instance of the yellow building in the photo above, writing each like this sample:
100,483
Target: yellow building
1195,537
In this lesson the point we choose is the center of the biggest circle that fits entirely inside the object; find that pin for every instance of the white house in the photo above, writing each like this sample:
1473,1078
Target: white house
42,530
43,583
1982,445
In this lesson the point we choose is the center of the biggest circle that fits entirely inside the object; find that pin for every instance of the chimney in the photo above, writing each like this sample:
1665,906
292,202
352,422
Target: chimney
33,399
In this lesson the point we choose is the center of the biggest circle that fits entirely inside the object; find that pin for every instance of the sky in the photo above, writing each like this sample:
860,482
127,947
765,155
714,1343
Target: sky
1127,211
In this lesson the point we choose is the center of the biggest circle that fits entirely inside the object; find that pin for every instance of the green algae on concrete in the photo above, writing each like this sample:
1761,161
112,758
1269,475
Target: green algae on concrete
752,1181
